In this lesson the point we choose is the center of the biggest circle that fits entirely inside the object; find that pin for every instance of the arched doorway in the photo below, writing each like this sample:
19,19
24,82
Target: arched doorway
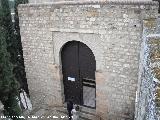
78,68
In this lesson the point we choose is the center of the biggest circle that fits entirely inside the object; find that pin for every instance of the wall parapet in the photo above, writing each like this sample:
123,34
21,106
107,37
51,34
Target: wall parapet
146,106
82,2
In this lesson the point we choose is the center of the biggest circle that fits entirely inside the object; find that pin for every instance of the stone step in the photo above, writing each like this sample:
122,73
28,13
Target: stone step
87,116
85,113
56,112
38,112
84,109
83,116
89,113
34,111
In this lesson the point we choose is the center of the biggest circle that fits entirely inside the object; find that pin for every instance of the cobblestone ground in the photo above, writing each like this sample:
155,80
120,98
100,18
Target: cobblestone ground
47,113
55,113
58,113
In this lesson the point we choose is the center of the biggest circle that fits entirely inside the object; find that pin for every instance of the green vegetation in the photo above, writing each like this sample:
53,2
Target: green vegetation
8,84
17,56
11,61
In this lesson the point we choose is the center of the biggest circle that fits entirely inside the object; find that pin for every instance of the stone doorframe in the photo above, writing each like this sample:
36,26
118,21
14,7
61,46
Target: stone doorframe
61,36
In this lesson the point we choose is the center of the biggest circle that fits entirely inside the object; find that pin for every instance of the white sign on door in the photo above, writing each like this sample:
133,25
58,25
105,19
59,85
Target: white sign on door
71,79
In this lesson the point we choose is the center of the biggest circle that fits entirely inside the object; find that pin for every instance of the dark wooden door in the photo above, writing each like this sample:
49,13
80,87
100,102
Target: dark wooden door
87,66
70,68
87,63
78,66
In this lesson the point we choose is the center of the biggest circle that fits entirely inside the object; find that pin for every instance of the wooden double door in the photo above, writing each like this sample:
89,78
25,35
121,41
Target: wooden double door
78,68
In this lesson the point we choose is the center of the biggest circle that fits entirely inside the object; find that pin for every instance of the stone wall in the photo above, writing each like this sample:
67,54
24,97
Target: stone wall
112,32
148,92
47,1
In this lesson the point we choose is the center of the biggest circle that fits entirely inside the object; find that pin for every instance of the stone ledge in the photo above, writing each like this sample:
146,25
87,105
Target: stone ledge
89,2
86,31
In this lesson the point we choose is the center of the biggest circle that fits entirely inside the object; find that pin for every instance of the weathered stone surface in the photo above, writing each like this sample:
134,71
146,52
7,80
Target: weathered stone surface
112,32
148,87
